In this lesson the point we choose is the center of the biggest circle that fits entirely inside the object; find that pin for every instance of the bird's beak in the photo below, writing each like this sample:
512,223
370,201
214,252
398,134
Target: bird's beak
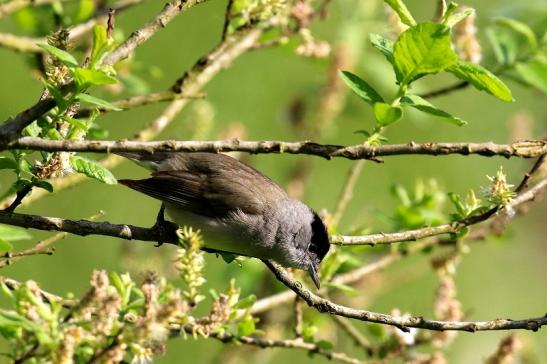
313,273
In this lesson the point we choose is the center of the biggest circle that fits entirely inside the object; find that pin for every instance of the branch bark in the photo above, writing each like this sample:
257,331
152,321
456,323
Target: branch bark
403,323
523,149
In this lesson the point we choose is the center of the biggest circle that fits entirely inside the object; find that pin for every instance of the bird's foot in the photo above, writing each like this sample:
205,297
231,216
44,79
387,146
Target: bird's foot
166,230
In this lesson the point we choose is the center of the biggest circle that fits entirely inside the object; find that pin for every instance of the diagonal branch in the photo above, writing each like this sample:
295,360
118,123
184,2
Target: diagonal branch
523,149
404,323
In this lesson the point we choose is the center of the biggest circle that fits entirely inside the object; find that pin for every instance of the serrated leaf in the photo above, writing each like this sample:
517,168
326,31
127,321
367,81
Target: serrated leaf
66,58
419,103
92,169
481,79
387,114
520,28
360,87
534,73
423,49
85,78
11,233
7,163
400,8
5,246
88,99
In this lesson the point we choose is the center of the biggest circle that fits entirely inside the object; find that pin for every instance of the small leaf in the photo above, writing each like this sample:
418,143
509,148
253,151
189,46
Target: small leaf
385,46
11,233
520,28
5,246
66,58
33,129
7,163
386,114
44,185
325,345
85,78
456,17
246,302
534,73
347,290
482,79
246,327
504,45
423,49
86,8
419,103
360,87
400,8
457,202
88,99
92,169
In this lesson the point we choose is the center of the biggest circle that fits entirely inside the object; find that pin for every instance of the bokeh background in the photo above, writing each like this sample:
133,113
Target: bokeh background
256,98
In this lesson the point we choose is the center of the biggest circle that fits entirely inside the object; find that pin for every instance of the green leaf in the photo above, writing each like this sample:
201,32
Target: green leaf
520,28
360,87
419,103
482,79
504,44
100,44
246,302
92,169
453,18
85,78
246,327
325,345
457,202
534,73
347,290
44,185
423,49
88,99
7,163
33,129
385,46
5,246
66,58
11,233
86,8
386,114
400,8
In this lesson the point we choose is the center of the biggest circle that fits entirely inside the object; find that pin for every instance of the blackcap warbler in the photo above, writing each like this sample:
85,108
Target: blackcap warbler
237,209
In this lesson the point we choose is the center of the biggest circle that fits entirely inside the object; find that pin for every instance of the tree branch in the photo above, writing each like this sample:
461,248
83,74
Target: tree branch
404,323
524,149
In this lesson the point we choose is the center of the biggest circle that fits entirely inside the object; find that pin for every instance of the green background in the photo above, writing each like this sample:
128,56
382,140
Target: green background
501,277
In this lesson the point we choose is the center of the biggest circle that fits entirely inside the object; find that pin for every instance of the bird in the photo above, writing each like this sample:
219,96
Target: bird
237,209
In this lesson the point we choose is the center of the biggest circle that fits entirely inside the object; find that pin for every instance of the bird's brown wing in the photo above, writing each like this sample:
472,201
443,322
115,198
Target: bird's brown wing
210,185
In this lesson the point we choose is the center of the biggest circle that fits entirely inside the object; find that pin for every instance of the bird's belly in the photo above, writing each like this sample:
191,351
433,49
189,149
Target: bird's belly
218,235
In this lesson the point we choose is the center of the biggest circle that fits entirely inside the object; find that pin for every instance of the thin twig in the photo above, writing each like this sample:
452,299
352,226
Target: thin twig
403,323
347,190
445,90
141,100
26,190
358,338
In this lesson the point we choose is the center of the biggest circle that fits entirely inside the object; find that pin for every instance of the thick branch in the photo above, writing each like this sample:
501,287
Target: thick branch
404,323
524,149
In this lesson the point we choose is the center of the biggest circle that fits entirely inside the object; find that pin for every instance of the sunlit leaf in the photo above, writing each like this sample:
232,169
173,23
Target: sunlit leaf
423,49
419,103
387,114
482,79
361,87
63,56
92,169
95,101
11,233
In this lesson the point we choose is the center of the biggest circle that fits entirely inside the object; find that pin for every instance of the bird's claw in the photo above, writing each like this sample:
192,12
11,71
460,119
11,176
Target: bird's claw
165,230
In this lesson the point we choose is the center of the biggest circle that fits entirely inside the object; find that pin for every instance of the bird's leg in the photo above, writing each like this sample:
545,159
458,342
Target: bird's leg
166,230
